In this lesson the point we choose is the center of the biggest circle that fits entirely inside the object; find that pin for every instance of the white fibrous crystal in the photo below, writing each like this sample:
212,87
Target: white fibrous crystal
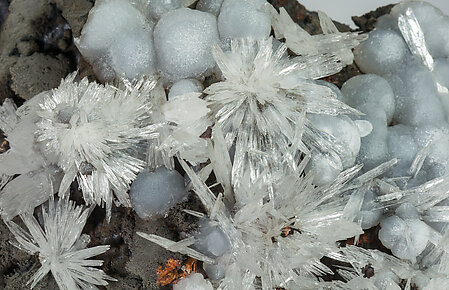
187,119
27,191
118,41
183,40
27,178
262,101
154,193
183,87
243,18
404,233
99,135
264,232
19,127
301,42
60,246
194,281
391,270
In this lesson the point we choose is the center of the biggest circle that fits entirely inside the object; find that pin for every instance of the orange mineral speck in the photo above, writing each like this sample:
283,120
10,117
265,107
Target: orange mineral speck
173,271
169,274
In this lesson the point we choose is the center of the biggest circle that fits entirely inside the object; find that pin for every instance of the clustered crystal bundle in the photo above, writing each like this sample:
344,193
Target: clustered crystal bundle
288,167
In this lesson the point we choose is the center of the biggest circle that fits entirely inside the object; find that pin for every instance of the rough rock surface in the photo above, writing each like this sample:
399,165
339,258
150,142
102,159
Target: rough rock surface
36,73
75,12
26,30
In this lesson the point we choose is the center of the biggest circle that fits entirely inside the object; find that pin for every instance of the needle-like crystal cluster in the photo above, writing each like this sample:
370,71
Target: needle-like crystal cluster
279,235
98,135
61,246
263,101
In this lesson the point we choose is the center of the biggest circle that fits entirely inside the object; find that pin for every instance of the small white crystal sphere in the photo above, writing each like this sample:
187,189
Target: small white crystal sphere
369,88
117,40
417,98
183,39
212,241
404,234
345,132
373,148
367,215
243,18
325,168
215,271
154,193
381,53
433,22
401,144
194,281
183,87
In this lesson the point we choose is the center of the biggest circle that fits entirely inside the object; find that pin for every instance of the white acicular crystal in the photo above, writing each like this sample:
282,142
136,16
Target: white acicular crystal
19,127
243,18
118,41
382,53
154,193
404,233
61,246
183,87
194,281
262,100
27,191
183,39
36,179
263,232
187,119
301,42
99,135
